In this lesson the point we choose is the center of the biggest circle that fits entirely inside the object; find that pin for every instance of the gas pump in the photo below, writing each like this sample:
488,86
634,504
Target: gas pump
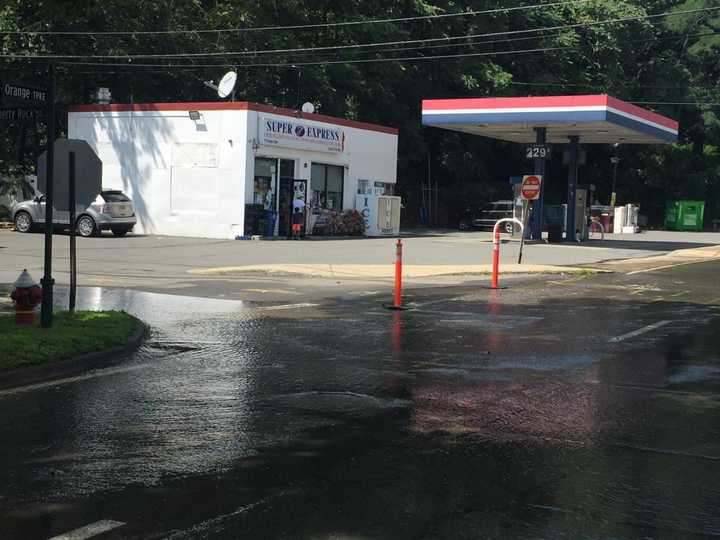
583,197
581,200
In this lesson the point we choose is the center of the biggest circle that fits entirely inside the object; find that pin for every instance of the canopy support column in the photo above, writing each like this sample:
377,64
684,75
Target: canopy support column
570,229
537,208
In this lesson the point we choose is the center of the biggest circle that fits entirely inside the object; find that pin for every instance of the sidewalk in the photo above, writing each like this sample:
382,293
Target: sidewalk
169,263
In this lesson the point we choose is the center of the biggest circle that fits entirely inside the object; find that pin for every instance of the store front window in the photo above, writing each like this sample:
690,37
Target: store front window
326,185
264,184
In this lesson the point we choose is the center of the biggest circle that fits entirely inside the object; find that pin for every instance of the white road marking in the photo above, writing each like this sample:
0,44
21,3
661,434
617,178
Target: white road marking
365,293
196,530
67,380
639,331
666,266
186,342
88,531
287,306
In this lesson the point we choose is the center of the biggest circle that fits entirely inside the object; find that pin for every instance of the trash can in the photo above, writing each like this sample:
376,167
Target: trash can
555,232
555,221
684,215
254,219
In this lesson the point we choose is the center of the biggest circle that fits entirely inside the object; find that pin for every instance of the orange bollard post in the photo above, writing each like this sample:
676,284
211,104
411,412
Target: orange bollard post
397,304
496,258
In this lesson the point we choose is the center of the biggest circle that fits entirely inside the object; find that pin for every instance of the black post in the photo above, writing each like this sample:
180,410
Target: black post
73,251
46,313
614,160
536,233
572,188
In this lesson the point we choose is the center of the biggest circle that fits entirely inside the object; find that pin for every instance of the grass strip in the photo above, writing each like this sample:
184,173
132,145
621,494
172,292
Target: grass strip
71,335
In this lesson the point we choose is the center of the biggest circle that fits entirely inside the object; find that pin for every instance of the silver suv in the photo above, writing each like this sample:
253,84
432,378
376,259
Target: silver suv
111,210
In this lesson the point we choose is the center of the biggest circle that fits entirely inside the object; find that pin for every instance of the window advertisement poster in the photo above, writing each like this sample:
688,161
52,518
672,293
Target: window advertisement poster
300,134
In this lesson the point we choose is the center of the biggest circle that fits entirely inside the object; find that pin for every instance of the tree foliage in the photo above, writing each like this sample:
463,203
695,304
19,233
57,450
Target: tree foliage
663,60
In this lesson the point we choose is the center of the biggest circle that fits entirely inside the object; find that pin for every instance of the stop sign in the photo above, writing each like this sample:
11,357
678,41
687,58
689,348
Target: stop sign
530,187
88,167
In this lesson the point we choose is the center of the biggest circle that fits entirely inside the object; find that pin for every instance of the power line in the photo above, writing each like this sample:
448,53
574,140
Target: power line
684,103
354,46
296,26
601,86
323,62
526,38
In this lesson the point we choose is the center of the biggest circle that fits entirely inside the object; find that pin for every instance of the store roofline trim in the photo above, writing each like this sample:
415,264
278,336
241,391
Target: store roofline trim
229,106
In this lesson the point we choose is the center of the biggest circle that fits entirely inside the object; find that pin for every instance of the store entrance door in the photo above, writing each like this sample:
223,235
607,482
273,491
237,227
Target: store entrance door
290,189
285,197
286,205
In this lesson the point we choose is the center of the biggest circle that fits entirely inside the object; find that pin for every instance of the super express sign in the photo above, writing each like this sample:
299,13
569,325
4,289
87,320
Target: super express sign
302,135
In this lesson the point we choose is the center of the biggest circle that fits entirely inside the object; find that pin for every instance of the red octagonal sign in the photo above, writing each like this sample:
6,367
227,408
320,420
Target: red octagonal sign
530,187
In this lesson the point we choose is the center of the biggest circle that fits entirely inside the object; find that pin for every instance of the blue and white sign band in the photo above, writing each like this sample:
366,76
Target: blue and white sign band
290,133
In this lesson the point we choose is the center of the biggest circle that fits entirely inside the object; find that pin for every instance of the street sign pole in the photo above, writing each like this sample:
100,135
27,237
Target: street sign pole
46,314
526,217
73,251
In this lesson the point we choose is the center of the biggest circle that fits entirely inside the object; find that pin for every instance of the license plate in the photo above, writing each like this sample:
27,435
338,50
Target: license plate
122,210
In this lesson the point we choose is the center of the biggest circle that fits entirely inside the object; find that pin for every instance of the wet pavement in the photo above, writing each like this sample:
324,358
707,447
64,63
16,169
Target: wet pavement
580,407
170,264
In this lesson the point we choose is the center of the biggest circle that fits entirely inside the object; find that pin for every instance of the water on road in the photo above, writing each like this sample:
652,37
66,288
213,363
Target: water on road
567,412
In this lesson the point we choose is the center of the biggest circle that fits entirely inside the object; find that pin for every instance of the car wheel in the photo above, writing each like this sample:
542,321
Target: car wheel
119,231
23,222
86,226
508,227
463,226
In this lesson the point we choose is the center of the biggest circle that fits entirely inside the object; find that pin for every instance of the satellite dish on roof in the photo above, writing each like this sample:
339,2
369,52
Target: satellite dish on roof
227,84
308,107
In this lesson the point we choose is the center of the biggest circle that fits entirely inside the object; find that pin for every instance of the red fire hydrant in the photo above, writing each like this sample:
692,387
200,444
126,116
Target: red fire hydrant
25,296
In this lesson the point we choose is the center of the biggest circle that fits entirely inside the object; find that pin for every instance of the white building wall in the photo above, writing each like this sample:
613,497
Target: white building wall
193,178
185,177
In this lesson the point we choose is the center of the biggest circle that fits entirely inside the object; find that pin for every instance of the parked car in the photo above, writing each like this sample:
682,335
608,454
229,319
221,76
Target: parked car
13,191
486,216
112,210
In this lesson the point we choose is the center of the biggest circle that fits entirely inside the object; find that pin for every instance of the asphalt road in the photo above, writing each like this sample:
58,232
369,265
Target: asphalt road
582,407
162,264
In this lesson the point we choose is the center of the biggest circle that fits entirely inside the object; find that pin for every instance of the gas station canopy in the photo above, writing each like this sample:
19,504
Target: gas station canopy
593,118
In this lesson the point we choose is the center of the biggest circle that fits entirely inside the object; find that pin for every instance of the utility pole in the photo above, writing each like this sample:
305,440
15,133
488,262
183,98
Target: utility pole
46,312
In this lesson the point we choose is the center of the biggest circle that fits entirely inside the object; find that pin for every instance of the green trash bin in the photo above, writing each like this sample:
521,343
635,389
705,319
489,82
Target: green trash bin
684,215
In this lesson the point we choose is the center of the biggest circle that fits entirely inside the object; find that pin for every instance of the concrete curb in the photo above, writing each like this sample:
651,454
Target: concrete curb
68,367
386,271
672,258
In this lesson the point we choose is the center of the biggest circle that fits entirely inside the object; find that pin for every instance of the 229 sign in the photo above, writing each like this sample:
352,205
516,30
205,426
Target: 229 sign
537,152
